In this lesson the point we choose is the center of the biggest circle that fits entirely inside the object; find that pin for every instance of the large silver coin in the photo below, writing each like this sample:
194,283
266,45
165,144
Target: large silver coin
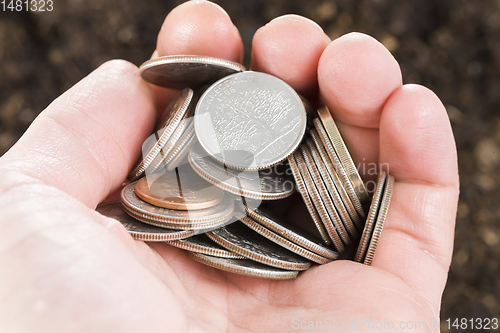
250,121
244,267
139,230
269,184
242,240
187,71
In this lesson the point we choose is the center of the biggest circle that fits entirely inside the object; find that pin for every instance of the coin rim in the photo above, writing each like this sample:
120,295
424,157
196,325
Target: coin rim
345,158
292,236
346,200
184,244
188,59
332,190
379,224
339,168
325,197
215,262
318,203
173,220
301,188
370,220
170,128
257,256
148,236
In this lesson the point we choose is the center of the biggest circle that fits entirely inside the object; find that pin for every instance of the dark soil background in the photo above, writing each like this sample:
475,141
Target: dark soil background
451,46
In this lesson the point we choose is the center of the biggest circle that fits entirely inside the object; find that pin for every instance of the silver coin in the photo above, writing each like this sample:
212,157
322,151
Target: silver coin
337,165
183,71
202,244
379,225
269,184
308,201
250,121
318,203
198,228
181,218
282,241
173,145
244,267
364,242
323,193
332,174
179,155
171,118
139,230
242,240
290,232
332,191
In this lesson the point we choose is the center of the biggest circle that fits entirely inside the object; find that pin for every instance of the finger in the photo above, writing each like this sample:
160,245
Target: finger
356,75
88,139
197,28
200,28
418,149
289,47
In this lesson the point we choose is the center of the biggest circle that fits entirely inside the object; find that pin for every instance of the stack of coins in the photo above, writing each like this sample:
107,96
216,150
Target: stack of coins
230,140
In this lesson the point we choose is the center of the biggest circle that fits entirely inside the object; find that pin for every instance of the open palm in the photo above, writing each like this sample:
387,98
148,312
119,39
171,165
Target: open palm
64,267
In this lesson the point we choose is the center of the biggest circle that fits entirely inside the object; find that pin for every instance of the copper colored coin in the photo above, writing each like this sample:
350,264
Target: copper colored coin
181,190
170,218
244,267
139,230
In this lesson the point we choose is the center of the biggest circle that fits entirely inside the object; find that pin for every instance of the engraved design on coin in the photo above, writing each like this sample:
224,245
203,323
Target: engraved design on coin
250,120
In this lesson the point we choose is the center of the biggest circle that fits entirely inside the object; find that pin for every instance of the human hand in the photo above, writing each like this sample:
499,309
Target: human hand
67,268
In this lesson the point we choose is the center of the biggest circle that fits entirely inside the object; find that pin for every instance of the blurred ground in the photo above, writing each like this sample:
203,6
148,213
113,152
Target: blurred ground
451,46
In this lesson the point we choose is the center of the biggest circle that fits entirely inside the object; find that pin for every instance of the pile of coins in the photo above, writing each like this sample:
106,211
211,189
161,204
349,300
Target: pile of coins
232,140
